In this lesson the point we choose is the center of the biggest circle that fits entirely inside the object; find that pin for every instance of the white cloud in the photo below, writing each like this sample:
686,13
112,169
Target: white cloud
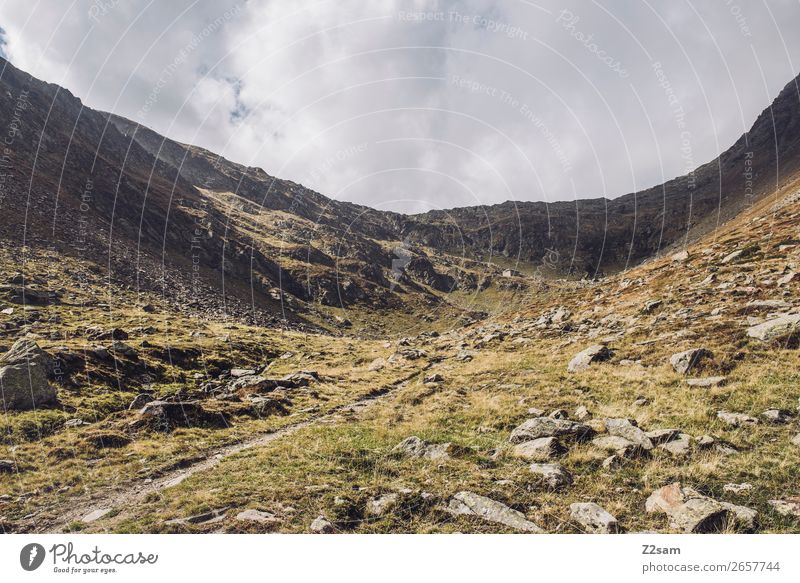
416,105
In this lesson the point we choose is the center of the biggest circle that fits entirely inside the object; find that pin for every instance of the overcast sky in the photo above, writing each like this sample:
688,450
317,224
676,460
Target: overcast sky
412,105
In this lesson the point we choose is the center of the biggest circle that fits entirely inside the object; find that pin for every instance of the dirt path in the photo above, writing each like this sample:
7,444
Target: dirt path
98,504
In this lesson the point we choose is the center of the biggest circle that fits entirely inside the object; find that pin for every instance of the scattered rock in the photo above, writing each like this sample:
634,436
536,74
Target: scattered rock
781,328
553,475
651,306
737,488
321,525
593,518
777,416
796,440
659,436
205,518
685,361
583,360
414,447
542,449
691,514
382,505
623,448
680,256
680,446
140,401
548,427
627,429
471,504
582,414
706,382
787,506
165,416
95,515
259,516
736,419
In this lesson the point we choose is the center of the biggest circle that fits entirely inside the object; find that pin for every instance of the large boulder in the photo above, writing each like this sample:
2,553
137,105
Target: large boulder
23,377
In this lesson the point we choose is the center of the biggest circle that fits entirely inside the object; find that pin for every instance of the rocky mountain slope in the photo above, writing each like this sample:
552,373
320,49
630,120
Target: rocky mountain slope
220,238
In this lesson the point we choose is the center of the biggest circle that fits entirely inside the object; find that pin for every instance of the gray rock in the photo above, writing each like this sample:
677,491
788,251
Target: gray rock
679,447
593,518
651,306
796,440
787,506
24,387
777,416
542,449
780,328
736,419
623,447
659,436
628,430
140,401
584,359
204,518
737,488
321,525
382,505
95,515
613,462
553,475
548,427
471,504
259,516
706,382
582,414
242,372
685,361
26,351
687,510
413,446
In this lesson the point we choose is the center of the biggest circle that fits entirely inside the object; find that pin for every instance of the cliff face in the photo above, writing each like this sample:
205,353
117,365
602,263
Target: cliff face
163,214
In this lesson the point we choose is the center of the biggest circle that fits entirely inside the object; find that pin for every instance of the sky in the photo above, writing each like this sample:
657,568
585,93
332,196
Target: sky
417,105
